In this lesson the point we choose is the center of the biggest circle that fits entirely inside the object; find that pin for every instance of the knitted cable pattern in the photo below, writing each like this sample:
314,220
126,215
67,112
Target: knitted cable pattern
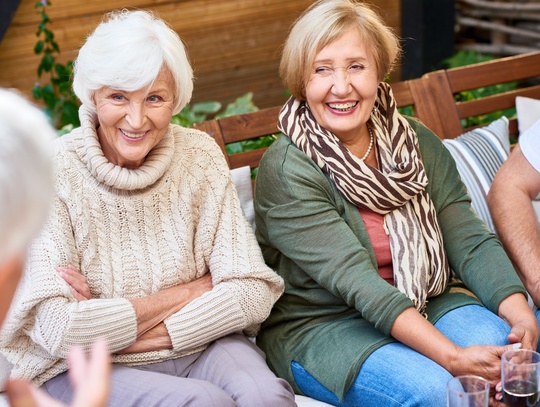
132,233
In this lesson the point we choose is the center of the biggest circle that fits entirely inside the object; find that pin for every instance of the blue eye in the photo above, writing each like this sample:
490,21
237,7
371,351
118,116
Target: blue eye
117,96
356,68
154,98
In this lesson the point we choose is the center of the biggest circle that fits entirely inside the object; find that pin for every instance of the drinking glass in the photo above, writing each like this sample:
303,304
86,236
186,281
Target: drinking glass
520,375
467,391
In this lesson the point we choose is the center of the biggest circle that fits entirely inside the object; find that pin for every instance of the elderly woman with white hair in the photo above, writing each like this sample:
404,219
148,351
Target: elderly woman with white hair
146,244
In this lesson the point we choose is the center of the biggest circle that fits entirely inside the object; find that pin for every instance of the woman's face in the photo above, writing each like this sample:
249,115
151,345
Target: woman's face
133,123
342,86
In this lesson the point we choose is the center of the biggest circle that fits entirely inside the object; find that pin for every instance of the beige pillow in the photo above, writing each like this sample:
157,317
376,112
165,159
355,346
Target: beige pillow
528,112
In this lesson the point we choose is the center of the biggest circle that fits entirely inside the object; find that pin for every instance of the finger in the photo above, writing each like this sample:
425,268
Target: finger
77,282
516,334
78,296
74,275
23,394
77,365
20,394
93,390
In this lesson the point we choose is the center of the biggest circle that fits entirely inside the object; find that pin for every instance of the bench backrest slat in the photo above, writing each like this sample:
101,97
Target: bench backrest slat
432,98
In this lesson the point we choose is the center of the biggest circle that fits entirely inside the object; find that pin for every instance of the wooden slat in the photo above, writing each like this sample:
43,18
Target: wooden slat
250,125
402,93
496,102
447,114
251,158
425,106
502,70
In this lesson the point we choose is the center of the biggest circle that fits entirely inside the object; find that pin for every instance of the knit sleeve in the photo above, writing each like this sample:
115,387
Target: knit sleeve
245,289
50,315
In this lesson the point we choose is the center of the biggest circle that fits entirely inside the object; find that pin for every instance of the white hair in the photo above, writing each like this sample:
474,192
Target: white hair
25,172
127,51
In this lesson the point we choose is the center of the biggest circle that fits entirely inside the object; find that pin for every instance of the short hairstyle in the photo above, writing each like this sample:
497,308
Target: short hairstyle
325,21
25,172
127,51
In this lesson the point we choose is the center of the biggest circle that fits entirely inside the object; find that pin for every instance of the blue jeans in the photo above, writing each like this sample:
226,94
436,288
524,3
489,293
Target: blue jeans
396,375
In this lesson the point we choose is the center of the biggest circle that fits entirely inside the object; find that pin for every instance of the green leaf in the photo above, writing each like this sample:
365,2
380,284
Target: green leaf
49,35
48,96
70,113
206,107
47,62
36,91
243,104
61,70
39,47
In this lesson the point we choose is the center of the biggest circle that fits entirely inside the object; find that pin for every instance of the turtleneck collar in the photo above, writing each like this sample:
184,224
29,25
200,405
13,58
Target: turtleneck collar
89,151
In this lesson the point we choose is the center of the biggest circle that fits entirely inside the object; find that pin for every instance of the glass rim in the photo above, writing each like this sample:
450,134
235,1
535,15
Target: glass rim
514,352
479,379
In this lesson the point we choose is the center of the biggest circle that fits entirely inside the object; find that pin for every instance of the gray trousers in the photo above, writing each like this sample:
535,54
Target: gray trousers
232,371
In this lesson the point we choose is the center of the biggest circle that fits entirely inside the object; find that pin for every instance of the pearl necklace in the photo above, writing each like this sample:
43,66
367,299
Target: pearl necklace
370,144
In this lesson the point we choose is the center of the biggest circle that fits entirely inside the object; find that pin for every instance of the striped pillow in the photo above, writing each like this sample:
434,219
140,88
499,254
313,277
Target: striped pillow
478,154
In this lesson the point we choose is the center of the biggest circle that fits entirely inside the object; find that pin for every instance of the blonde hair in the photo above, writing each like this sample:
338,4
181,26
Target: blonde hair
127,51
325,21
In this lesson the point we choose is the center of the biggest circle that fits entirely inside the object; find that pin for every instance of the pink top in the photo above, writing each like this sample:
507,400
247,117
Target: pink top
380,242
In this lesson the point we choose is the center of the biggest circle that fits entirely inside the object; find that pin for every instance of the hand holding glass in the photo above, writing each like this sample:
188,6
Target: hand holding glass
520,374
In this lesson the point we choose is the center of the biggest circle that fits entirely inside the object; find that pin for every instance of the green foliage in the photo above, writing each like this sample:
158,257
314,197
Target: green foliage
462,58
201,111
60,102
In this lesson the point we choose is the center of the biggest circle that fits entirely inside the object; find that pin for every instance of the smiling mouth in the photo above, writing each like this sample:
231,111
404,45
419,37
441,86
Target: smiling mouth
343,107
132,136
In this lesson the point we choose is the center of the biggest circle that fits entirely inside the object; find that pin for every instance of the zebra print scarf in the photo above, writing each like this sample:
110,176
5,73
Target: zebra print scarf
397,190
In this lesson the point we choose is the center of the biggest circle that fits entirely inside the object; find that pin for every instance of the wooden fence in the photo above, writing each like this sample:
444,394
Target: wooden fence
234,45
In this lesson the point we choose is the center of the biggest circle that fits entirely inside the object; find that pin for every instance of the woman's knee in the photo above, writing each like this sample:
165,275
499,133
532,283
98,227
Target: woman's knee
489,329
269,392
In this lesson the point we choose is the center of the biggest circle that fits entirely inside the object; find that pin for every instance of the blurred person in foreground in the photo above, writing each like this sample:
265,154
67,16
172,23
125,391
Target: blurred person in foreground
515,186
146,245
26,187
362,211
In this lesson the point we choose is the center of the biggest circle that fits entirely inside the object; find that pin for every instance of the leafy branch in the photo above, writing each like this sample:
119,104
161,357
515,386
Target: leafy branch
61,104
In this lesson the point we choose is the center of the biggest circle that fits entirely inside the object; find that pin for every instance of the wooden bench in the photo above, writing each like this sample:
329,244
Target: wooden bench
432,98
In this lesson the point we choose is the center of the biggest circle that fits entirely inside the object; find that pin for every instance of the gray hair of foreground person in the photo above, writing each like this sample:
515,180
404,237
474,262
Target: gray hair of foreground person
323,22
25,172
127,51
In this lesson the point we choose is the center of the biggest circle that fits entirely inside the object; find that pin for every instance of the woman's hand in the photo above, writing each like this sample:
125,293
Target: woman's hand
480,360
90,379
156,338
515,310
78,283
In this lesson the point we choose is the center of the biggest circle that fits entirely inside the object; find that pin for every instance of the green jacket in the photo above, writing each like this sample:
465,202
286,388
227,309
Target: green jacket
336,309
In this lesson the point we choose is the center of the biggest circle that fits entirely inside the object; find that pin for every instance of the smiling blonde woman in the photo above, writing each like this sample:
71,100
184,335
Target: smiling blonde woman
362,212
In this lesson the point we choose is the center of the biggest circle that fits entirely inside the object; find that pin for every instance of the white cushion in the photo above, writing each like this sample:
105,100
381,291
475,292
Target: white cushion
242,180
303,401
478,154
528,112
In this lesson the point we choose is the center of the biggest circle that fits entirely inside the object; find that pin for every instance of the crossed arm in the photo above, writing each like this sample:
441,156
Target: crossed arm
151,310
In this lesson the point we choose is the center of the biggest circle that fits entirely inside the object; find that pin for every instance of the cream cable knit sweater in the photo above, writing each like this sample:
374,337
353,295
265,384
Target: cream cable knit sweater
132,233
